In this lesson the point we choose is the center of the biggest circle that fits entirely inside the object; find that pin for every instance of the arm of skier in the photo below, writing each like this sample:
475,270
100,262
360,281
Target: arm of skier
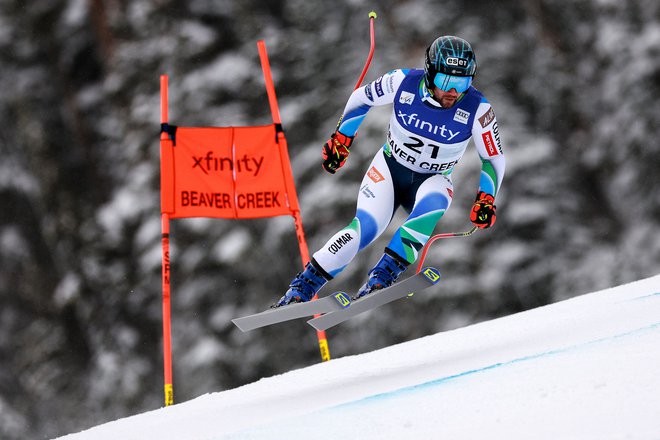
376,93
486,137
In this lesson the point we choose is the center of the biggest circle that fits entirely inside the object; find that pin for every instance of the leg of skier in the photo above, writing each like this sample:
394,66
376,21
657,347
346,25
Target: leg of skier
375,207
432,197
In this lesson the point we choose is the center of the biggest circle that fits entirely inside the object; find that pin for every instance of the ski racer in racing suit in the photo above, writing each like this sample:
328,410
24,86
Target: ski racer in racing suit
436,111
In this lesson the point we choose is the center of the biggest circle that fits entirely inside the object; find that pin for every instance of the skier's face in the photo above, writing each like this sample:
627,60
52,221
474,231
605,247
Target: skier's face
446,99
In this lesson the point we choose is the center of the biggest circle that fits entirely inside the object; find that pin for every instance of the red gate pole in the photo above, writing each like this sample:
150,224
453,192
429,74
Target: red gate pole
291,190
165,146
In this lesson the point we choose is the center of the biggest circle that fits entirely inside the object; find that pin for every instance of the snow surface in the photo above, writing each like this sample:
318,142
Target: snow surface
584,368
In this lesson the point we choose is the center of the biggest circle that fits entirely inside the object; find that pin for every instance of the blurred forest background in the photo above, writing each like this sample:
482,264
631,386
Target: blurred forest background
576,88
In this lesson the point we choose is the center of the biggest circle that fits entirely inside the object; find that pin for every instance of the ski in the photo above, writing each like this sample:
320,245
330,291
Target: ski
426,278
335,302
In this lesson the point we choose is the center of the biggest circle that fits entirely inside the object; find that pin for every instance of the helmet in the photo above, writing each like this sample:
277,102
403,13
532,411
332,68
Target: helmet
449,55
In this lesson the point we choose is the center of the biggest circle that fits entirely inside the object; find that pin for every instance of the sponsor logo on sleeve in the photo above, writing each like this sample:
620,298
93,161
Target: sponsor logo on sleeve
390,84
406,98
496,134
367,91
489,142
461,116
378,85
487,118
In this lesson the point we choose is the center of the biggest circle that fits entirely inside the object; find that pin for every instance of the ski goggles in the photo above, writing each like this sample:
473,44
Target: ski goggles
447,82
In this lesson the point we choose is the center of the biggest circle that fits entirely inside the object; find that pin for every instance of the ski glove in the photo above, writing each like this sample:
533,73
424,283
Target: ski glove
483,211
335,151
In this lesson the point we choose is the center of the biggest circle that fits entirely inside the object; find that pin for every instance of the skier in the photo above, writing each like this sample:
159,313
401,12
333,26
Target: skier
436,111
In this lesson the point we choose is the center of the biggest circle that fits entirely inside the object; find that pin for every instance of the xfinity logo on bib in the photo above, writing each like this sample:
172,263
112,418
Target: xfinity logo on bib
412,120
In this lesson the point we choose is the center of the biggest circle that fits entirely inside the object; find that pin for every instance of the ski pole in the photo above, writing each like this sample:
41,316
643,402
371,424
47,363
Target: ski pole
437,237
372,17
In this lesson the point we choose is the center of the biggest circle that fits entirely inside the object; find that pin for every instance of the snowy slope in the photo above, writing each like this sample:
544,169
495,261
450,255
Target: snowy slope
585,368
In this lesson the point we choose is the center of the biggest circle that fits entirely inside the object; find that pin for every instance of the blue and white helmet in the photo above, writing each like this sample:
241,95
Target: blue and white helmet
451,56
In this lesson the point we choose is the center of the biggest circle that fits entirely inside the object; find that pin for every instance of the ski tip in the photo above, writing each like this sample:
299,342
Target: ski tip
318,325
313,324
432,274
237,323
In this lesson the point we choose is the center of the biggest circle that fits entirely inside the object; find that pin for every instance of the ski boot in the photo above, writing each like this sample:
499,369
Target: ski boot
383,275
304,286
